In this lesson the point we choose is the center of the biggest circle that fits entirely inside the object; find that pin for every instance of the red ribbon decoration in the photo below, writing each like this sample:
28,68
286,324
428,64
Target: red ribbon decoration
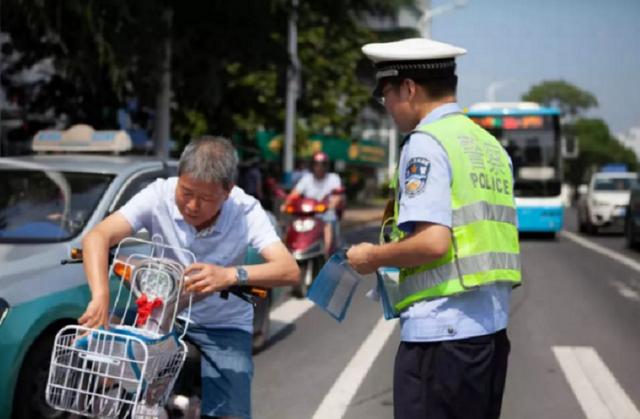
145,308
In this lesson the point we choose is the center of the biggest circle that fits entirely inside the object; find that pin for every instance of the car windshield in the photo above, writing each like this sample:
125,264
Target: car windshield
47,206
613,184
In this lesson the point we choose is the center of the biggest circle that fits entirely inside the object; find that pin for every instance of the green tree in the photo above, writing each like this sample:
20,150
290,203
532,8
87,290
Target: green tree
570,99
596,144
229,59
597,147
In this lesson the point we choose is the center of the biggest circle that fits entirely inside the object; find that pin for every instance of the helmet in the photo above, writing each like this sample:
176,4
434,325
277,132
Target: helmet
320,157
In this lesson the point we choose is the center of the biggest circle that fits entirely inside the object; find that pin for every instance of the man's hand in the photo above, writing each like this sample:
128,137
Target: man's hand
207,278
96,314
359,258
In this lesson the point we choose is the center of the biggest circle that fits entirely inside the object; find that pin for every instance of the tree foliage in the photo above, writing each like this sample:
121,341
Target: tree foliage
597,147
596,144
570,99
229,60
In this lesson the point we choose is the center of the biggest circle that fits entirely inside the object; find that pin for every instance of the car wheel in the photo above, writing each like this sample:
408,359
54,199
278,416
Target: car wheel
261,323
630,234
590,228
30,400
582,227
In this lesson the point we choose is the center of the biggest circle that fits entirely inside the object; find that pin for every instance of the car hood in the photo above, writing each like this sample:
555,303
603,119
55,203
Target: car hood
612,198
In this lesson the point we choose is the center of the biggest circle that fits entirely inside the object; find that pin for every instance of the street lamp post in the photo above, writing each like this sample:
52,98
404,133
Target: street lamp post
424,23
293,76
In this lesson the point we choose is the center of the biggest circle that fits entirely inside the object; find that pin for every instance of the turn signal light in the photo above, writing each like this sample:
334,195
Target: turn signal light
321,208
76,253
289,209
122,270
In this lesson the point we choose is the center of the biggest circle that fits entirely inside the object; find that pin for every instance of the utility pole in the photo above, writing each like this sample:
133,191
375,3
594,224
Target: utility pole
293,83
163,100
492,88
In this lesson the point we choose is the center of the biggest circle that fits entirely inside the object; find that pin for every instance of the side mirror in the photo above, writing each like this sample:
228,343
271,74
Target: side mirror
569,147
583,189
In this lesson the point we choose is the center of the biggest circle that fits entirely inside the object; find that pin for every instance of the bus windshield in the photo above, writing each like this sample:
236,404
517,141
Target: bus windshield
532,142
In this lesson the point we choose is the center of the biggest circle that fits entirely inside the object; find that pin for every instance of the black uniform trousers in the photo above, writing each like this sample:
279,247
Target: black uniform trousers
456,379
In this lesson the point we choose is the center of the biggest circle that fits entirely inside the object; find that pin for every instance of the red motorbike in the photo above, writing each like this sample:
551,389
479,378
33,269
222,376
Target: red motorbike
305,237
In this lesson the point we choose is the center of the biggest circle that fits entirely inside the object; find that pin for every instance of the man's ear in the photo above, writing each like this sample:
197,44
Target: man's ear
228,191
409,91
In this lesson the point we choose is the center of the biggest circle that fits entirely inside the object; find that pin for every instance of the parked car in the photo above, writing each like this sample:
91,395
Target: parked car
603,203
47,204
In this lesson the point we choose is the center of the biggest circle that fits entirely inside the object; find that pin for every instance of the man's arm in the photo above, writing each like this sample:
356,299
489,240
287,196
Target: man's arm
427,243
95,250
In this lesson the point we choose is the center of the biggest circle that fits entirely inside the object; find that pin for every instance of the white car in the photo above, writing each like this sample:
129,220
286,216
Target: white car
603,203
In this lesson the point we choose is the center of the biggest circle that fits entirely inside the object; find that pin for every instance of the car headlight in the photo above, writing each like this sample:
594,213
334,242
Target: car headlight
302,226
4,310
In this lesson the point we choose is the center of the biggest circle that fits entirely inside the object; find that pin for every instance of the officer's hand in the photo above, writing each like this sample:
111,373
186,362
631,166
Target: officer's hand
207,278
359,258
96,314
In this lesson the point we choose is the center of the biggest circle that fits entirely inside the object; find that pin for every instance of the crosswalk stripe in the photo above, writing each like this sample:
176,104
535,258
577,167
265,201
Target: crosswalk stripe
287,313
598,392
337,400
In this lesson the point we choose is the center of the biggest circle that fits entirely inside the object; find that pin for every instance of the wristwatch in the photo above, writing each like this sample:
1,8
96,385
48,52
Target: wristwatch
241,275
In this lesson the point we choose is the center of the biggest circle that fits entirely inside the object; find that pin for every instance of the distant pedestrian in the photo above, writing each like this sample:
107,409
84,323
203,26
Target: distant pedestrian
251,179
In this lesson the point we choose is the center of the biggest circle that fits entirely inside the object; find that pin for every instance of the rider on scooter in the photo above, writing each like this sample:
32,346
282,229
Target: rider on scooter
320,184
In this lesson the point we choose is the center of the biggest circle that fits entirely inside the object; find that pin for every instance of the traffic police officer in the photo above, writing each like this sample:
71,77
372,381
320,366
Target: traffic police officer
454,238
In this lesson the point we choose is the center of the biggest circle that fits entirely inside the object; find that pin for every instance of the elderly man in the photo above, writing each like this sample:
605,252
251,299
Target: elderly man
203,211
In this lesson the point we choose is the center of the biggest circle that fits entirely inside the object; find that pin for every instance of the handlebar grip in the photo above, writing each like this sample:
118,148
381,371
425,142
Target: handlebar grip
259,292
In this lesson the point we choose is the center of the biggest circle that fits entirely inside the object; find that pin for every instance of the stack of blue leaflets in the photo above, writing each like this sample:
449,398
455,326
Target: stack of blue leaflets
334,286
387,289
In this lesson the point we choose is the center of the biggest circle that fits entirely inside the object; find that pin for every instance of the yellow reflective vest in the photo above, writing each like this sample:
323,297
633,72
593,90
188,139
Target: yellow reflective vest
484,245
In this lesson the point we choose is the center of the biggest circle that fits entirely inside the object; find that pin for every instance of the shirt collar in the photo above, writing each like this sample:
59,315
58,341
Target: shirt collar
440,112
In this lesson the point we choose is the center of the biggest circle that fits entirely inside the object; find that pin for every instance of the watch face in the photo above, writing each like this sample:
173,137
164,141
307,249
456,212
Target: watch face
156,280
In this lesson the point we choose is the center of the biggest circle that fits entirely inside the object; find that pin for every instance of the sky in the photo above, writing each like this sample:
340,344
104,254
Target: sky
515,44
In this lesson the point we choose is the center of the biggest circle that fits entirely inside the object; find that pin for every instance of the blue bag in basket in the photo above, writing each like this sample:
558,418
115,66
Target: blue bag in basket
334,286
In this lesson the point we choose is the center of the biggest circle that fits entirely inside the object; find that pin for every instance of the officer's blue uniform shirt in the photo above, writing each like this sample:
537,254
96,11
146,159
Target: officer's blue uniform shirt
242,223
426,197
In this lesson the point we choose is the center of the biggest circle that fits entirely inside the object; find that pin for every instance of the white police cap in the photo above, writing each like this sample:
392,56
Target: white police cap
414,58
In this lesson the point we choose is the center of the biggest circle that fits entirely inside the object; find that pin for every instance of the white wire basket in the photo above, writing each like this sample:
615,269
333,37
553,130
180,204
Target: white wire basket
129,370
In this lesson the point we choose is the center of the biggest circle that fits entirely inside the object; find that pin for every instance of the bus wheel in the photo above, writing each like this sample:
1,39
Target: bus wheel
30,400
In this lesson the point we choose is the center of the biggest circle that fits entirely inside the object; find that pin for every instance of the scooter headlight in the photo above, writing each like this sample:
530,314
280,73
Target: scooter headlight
302,226
156,279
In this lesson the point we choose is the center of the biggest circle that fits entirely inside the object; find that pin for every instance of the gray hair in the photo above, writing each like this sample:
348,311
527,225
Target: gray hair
210,159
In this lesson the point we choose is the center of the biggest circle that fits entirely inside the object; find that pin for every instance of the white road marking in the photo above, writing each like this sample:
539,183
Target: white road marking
337,400
626,291
287,313
598,392
625,260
